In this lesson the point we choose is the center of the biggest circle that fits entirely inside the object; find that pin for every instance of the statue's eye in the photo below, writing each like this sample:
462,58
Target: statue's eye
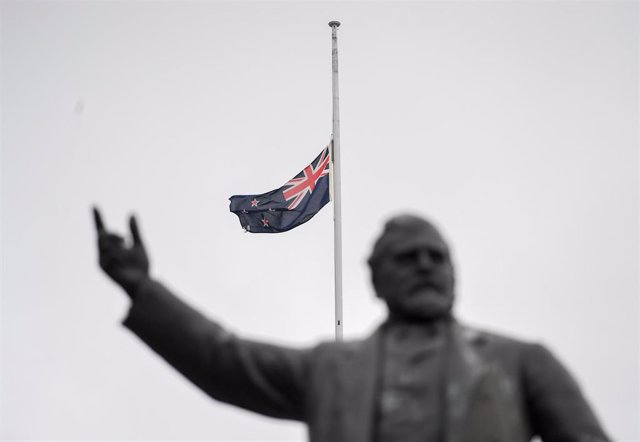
437,256
407,257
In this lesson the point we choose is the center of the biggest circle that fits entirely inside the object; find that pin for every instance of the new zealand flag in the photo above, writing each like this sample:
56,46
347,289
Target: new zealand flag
289,206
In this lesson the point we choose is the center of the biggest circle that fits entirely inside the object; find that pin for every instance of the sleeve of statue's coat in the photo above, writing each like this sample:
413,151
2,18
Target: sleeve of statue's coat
263,378
559,412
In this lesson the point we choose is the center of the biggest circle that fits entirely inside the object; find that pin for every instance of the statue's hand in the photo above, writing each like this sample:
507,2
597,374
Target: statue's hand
126,265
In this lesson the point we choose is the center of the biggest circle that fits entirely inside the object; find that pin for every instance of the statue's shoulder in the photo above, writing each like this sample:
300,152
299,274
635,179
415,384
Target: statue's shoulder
505,350
481,336
347,349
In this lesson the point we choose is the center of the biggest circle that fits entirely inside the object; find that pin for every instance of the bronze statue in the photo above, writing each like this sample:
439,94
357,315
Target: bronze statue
421,376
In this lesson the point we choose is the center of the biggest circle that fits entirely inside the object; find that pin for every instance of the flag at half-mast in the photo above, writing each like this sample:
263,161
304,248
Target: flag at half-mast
289,206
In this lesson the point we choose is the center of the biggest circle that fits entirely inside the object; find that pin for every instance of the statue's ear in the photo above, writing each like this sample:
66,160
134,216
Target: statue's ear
374,279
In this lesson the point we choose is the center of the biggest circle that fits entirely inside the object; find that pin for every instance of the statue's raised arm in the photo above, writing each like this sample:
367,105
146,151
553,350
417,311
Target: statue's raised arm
264,378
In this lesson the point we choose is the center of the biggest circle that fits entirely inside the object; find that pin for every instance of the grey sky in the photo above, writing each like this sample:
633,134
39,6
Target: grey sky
514,125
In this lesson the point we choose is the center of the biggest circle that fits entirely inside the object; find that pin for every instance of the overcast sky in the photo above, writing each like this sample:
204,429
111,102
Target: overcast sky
514,126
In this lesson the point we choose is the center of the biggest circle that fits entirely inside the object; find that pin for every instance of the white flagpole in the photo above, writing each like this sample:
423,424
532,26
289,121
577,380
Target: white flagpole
335,159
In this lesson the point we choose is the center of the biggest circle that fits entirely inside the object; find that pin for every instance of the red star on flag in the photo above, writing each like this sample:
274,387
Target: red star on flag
265,222
254,203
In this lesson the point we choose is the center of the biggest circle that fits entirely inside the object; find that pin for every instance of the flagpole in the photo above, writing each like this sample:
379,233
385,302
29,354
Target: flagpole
335,158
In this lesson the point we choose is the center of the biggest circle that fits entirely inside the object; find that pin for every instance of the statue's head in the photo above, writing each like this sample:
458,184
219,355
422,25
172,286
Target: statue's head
411,269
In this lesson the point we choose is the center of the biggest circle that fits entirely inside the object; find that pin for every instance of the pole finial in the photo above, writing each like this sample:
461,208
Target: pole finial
334,23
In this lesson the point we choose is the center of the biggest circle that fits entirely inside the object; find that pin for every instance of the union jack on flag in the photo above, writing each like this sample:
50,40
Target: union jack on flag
295,203
305,182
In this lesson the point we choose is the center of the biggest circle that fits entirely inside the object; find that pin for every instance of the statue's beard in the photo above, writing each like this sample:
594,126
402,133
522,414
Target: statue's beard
423,304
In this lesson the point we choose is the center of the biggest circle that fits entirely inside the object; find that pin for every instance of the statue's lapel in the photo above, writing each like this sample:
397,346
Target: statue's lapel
360,389
464,370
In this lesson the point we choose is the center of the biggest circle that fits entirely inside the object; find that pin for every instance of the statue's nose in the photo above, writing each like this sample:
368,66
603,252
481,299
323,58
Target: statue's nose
425,261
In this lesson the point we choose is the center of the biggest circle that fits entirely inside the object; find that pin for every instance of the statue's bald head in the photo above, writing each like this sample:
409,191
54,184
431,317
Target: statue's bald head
400,231
411,269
